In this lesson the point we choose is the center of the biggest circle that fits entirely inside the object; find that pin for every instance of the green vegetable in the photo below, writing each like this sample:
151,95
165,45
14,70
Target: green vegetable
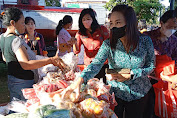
39,113
57,113
17,115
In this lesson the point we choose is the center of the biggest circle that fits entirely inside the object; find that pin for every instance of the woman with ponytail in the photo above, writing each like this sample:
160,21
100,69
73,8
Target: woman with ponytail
64,39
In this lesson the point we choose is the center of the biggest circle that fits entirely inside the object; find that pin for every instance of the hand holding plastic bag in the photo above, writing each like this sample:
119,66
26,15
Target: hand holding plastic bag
75,86
57,61
118,77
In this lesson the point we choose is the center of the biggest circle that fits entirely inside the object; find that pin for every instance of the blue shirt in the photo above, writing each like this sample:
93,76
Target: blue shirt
140,61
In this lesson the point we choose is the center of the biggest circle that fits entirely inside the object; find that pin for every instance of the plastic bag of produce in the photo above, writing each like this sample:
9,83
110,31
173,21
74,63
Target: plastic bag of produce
17,115
45,69
4,110
50,111
93,108
40,111
71,60
17,106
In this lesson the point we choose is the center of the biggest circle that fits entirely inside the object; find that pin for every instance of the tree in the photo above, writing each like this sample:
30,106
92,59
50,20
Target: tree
145,9
175,5
55,3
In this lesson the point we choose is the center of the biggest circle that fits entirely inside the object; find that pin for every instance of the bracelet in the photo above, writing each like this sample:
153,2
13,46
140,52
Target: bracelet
131,74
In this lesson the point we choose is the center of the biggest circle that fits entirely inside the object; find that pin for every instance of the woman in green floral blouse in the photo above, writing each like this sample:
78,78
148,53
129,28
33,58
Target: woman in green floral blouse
126,49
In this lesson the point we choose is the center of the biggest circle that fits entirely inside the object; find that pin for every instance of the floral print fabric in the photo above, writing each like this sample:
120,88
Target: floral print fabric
168,47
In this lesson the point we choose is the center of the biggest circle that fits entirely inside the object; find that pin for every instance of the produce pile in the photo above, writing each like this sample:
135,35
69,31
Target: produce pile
46,100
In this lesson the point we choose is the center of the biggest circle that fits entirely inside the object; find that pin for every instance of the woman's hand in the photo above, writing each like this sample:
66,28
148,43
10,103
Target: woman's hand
118,77
57,61
72,41
172,78
75,86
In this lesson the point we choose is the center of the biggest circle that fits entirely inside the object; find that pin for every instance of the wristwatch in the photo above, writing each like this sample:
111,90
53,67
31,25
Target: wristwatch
132,74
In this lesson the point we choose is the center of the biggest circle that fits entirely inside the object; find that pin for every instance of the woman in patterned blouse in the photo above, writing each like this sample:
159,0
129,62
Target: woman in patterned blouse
126,49
91,35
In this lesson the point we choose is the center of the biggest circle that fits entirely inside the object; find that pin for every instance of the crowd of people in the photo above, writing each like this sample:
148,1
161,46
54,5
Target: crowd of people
120,46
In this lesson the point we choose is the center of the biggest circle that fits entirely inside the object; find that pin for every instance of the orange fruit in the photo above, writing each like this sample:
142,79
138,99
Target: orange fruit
102,103
98,110
86,107
88,101
93,105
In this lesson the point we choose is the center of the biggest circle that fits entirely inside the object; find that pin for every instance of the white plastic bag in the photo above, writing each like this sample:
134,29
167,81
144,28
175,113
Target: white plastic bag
45,69
71,60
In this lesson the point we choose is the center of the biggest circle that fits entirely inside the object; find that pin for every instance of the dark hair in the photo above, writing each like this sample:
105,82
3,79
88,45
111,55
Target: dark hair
132,33
9,14
27,19
94,24
66,19
167,15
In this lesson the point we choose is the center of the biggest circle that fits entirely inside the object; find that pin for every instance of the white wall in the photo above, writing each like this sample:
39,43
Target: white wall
8,2
42,2
50,19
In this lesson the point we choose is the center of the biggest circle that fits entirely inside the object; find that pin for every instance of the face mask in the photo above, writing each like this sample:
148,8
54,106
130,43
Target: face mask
118,32
70,27
16,32
169,32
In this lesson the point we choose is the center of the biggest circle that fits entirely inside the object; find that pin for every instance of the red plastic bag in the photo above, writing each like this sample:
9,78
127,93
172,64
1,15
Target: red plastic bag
165,64
166,98
81,67
165,102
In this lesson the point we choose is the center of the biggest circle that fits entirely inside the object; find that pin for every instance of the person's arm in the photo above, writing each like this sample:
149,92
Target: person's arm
77,46
149,60
91,70
3,58
171,78
22,56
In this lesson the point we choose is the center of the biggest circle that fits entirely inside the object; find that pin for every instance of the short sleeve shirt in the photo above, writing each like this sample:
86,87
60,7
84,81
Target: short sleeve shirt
18,43
62,42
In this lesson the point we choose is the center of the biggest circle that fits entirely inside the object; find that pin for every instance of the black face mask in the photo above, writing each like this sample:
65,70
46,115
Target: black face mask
118,32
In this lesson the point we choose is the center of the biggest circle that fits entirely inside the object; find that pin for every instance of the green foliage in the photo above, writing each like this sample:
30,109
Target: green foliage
55,3
145,9
109,5
175,4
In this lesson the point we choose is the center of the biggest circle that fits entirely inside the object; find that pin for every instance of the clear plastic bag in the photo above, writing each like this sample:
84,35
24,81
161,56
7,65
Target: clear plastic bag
71,60
45,69
17,106
91,107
